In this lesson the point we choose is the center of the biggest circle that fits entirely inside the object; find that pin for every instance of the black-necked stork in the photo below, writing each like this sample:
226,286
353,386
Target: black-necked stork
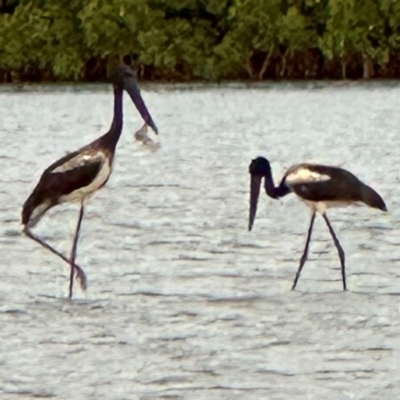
76,176
320,187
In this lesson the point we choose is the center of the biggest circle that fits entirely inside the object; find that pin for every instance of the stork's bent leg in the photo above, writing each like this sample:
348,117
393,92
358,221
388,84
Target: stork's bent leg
305,252
339,249
80,274
73,251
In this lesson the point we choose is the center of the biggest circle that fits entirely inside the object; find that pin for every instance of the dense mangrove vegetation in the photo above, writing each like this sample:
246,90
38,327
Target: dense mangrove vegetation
182,40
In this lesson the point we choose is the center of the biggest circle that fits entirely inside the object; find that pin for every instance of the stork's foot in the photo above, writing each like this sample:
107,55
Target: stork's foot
81,277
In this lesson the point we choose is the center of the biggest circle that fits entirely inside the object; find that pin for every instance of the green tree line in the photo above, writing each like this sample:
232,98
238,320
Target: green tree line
182,40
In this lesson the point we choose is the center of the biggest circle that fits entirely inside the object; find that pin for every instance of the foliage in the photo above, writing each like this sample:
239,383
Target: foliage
200,39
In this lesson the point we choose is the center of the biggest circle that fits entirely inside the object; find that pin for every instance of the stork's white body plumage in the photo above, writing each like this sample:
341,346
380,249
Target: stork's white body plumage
301,174
85,192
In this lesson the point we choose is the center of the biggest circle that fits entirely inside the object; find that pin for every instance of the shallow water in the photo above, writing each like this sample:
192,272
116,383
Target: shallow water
183,302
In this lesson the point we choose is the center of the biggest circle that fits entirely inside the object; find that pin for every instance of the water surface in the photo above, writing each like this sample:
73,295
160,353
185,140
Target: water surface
183,302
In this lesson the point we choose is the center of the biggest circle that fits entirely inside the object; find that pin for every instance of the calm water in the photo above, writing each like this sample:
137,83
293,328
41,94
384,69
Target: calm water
183,302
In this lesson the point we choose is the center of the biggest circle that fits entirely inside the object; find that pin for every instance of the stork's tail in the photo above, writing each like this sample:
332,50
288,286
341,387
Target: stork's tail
372,198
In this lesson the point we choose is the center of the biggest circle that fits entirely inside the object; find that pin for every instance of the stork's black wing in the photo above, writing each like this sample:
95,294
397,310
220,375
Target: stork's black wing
335,184
60,179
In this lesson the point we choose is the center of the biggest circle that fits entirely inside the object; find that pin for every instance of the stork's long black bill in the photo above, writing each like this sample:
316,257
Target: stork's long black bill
134,93
255,185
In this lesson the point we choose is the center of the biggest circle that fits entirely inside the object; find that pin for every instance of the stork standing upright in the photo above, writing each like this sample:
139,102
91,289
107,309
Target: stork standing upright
320,187
76,176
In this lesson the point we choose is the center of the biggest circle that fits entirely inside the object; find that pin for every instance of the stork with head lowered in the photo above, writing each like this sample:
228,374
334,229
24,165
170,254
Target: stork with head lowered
320,187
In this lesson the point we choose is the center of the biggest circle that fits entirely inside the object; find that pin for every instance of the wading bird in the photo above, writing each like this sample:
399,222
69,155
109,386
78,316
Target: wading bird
320,187
75,177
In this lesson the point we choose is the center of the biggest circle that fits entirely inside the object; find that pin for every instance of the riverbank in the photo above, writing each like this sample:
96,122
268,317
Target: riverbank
208,40
300,69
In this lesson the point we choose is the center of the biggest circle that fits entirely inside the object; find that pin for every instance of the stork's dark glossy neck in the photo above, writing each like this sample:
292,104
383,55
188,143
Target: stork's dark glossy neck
274,191
110,139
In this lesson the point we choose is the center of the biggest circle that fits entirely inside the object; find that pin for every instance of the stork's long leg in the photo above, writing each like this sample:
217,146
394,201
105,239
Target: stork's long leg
74,247
80,274
305,252
339,249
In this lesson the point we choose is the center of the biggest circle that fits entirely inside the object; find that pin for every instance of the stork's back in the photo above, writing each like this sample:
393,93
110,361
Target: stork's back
321,183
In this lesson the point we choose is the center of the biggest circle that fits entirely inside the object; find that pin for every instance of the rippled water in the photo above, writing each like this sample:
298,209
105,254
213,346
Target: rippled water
183,302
